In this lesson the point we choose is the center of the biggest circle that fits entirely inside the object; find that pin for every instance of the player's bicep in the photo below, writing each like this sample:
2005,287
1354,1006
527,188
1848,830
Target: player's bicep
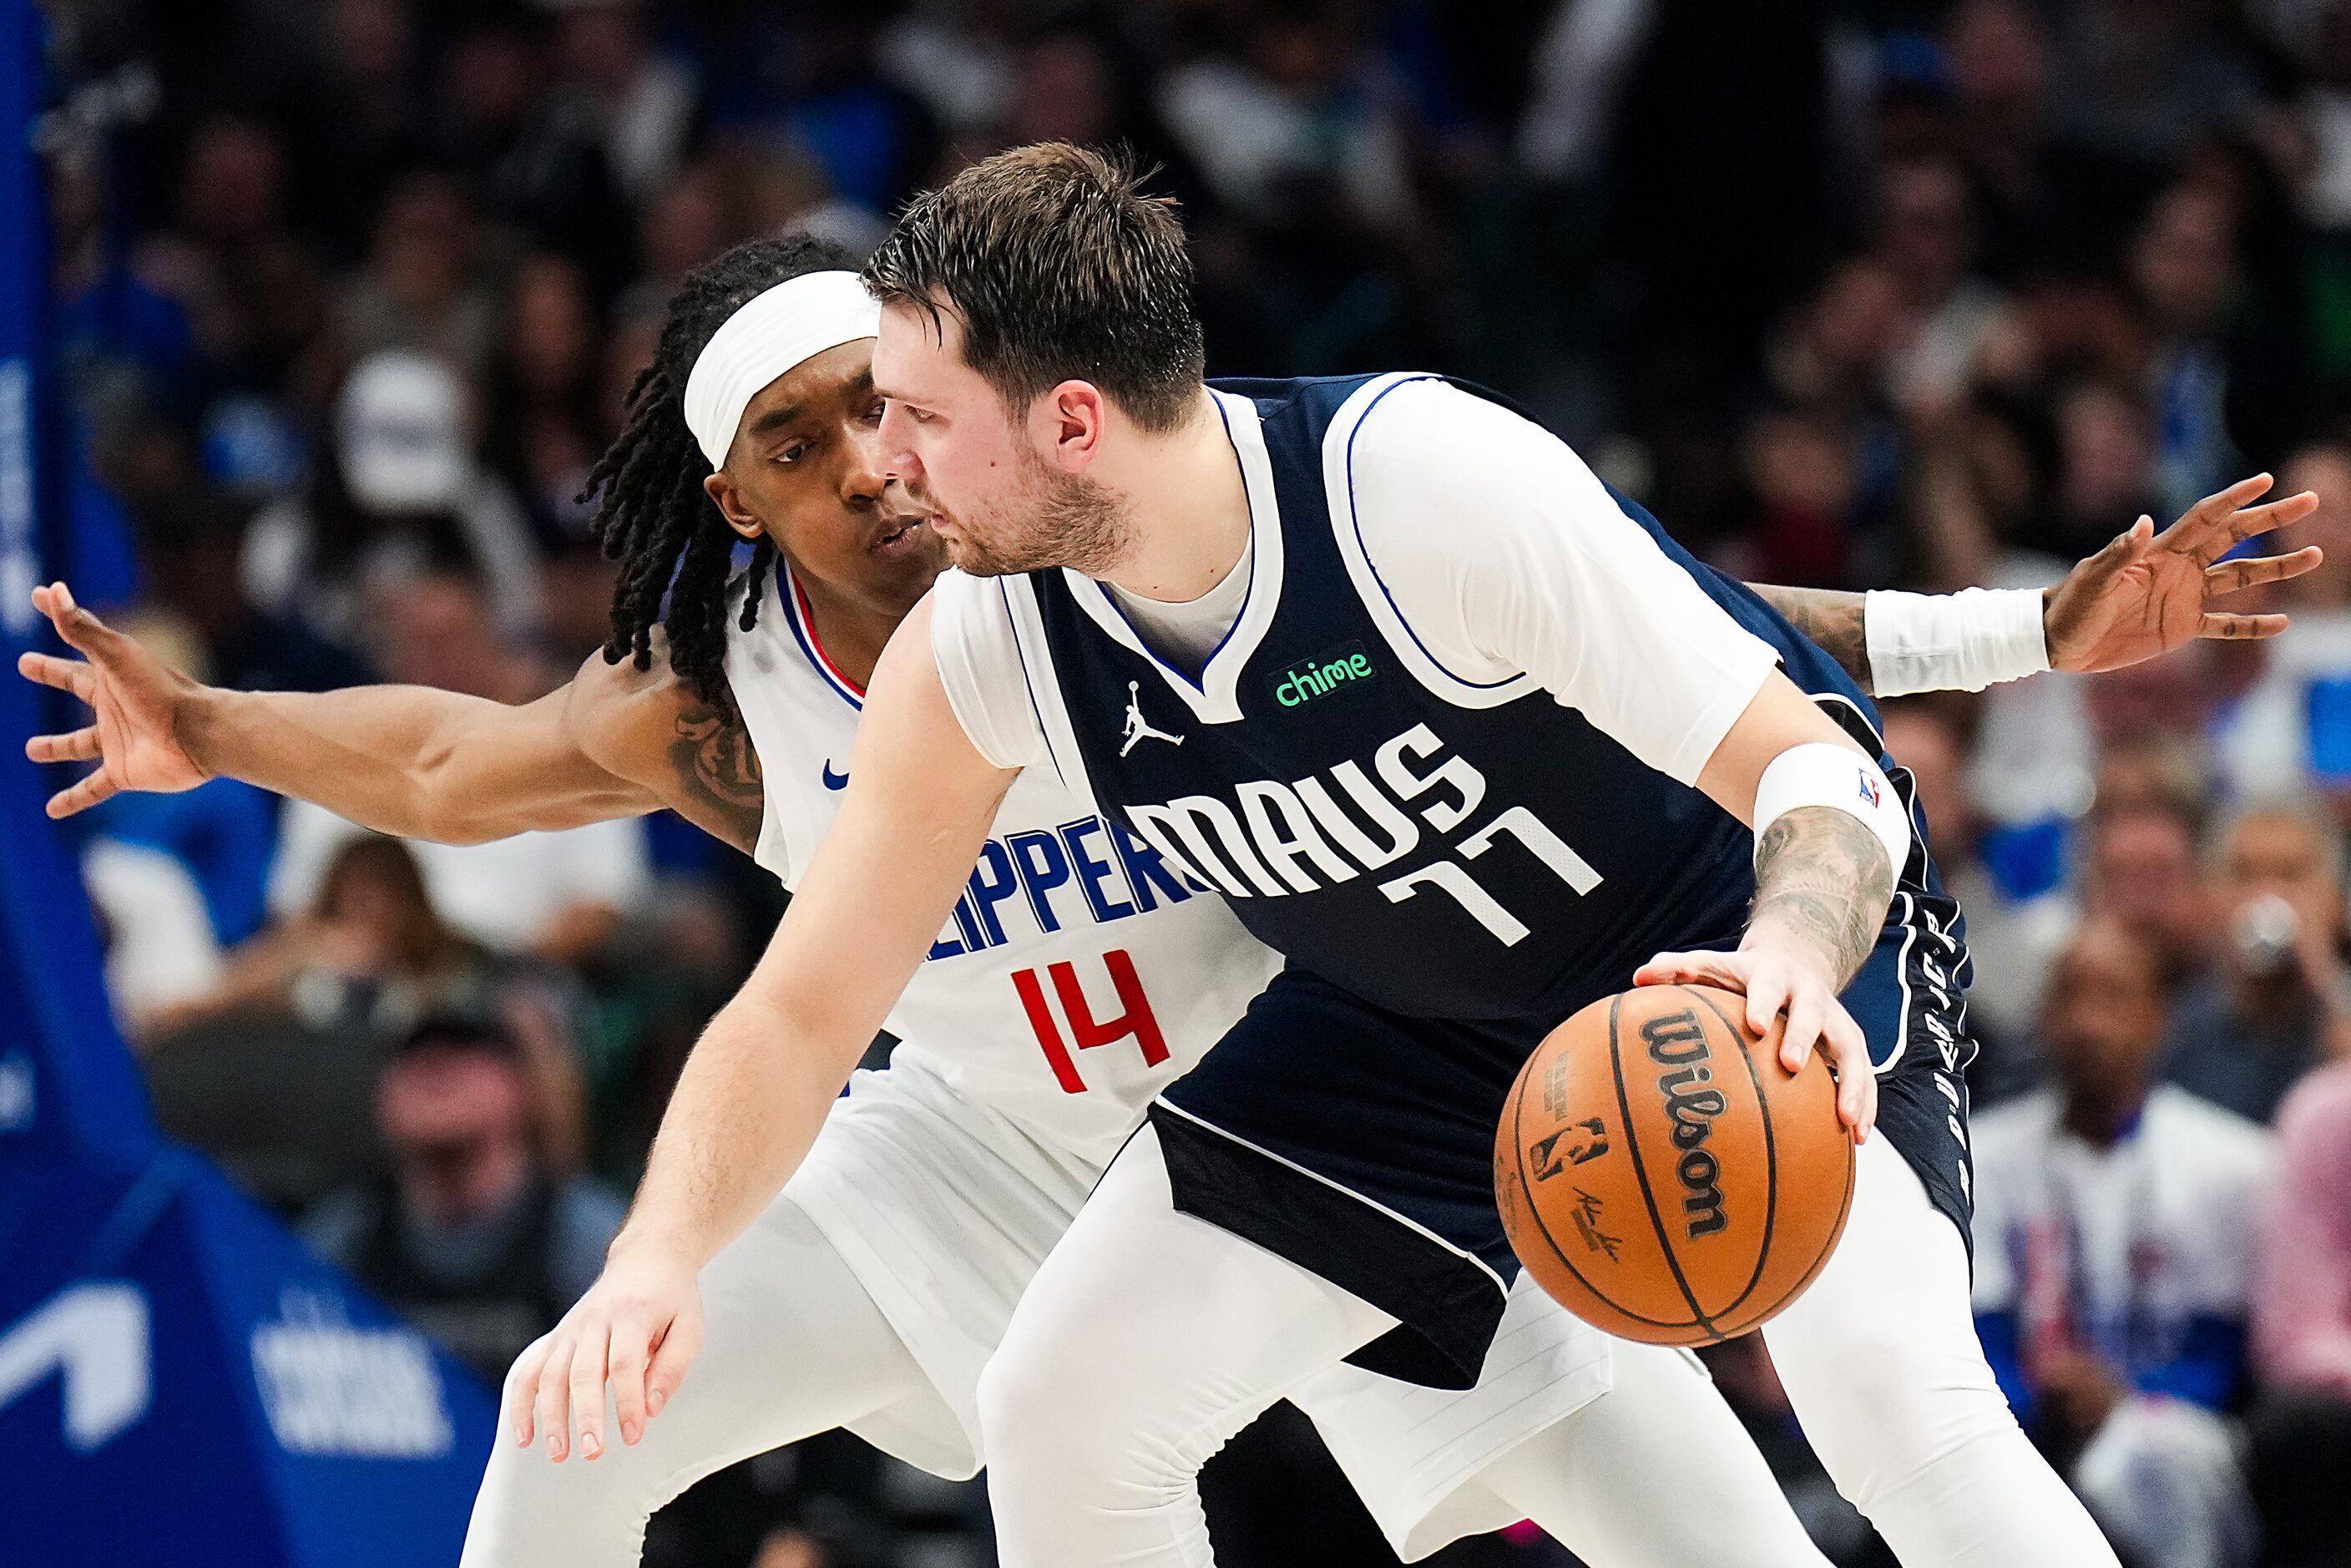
1777,718
1538,570
1623,634
884,879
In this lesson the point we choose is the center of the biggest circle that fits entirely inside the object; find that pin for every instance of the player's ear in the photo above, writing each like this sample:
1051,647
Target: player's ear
720,488
1067,423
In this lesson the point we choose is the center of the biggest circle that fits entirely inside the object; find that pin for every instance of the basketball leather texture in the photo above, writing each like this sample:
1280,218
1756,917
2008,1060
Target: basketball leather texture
1663,1177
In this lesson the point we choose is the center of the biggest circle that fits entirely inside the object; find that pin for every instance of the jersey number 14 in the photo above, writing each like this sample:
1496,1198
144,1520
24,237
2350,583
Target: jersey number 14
1134,1023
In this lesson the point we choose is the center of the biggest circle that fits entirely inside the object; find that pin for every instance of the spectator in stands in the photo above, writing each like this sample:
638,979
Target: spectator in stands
250,286
644,101
554,895
2183,263
545,417
2013,940
1926,240
2139,866
397,486
2293,730
368,952
2278,1001
2302,1332
270,1073
2114,1263
421,288
471,1236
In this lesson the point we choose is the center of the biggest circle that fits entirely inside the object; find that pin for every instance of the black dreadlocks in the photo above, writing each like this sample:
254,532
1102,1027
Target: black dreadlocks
655,517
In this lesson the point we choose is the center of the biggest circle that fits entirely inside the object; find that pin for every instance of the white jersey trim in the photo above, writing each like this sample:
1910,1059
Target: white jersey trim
1019,596
794,606
1406,1220
1217,699
1339,486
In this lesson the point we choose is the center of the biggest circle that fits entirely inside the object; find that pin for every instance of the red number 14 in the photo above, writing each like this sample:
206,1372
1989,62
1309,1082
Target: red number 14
1135,1022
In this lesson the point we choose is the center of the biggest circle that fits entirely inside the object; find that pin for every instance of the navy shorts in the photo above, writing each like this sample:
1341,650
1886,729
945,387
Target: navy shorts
1358,1143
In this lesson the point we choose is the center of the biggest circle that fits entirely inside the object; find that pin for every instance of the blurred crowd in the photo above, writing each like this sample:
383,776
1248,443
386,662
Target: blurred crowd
1917,293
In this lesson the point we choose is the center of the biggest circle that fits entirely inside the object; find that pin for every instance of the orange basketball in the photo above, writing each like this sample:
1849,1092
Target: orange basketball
1663,1177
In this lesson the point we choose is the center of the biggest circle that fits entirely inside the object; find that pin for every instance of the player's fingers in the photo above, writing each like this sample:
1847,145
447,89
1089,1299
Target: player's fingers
1767,994
2220,627
676,1352
1848,1049
2253,570
522,1388
1807,1014
2121,550
2222,504
1682,968
83,632
587,1380
551,1404
81,796
2220,521
76,746
2247,522
624,1366
65,674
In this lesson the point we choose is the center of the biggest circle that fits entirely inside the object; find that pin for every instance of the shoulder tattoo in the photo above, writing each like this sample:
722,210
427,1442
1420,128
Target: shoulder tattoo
718,771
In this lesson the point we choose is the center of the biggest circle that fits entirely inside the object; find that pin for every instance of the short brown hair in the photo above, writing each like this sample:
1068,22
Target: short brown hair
1059,268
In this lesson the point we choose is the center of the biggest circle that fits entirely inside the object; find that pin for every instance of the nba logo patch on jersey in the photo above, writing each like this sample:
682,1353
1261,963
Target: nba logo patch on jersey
1869,789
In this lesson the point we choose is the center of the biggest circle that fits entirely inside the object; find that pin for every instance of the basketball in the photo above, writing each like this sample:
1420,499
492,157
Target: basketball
1663,1177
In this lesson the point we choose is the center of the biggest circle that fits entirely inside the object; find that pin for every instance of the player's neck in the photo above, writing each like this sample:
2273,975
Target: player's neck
851,631
1191,510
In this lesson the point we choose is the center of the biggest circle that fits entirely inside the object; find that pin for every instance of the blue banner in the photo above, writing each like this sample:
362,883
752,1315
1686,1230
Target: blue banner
179,1381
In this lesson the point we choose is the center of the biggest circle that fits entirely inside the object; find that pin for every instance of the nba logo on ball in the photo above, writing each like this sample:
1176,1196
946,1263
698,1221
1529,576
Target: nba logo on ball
1663,1177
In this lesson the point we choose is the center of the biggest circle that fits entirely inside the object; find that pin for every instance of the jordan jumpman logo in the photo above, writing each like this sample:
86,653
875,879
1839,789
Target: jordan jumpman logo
1138,728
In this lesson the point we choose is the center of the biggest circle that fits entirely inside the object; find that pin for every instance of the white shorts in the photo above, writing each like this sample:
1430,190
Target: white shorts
944,1208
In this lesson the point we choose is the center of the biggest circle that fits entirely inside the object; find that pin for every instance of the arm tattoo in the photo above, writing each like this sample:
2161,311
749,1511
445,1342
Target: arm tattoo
1822,875
1829,617
718,773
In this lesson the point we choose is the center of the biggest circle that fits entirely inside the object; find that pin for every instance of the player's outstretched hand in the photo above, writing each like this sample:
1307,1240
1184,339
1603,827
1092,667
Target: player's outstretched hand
1776,981
136,701
2147,593
639,1326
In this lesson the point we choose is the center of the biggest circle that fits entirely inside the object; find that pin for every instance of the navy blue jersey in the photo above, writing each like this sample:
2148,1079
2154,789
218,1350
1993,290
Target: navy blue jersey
1439,853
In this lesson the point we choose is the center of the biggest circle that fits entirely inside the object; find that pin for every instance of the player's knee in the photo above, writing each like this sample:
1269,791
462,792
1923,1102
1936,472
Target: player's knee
1897,1403
1027,1416
1075,1421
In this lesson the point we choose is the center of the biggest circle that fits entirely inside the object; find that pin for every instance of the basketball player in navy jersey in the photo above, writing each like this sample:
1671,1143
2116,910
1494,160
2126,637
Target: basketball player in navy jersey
1472,743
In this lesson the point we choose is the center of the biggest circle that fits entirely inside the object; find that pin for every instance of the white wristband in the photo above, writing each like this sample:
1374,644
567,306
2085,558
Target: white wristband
1961,642
1819,773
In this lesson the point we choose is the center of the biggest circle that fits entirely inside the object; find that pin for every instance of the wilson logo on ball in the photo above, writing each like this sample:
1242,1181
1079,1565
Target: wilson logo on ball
1676,1041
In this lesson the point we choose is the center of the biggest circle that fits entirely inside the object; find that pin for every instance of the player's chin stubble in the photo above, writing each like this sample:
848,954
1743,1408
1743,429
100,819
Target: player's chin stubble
1056,519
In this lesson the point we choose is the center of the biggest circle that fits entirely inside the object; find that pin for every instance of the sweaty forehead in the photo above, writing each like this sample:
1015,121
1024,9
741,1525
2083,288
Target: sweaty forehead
915,347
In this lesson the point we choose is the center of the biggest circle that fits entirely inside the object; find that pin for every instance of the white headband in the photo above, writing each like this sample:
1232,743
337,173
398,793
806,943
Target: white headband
794,320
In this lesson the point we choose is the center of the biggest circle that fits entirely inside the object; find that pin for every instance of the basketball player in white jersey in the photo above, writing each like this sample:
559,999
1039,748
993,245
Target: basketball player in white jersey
1077,976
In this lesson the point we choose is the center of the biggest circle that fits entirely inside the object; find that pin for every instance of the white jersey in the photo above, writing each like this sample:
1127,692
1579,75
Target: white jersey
1079,976
1080,973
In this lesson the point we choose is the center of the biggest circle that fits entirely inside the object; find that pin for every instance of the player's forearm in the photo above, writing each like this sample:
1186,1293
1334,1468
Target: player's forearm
1961,642
1830,617
1822,882
747,1107
409,760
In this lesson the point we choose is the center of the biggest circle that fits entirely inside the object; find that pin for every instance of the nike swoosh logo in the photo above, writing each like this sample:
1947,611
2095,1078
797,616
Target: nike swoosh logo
834,780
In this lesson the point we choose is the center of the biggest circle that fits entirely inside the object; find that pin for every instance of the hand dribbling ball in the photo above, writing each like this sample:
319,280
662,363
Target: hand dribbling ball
1663,1177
